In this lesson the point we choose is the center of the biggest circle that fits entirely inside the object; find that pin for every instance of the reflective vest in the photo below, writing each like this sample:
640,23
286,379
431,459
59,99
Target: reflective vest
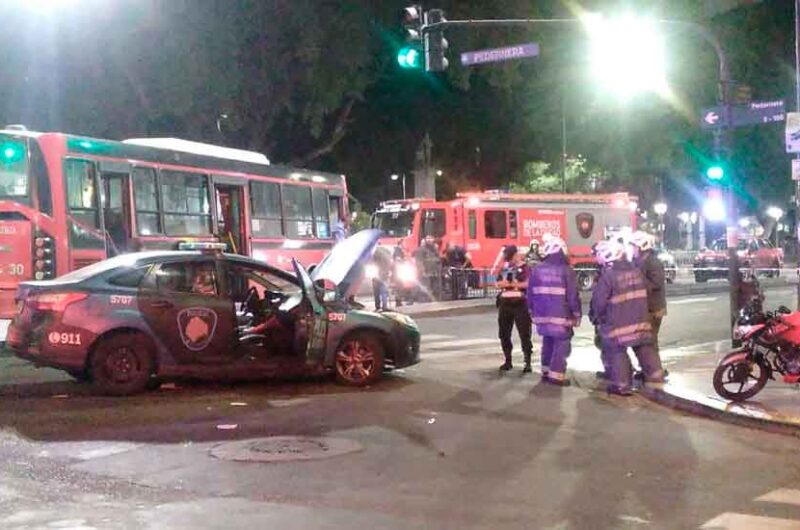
619,305
553,299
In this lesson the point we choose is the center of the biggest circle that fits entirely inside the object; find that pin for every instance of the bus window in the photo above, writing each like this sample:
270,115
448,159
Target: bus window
433,223
265,202
334,209
297,210
512,224
42,176
186,204
13,169
473,224
145,196
495,224
81,192
319,198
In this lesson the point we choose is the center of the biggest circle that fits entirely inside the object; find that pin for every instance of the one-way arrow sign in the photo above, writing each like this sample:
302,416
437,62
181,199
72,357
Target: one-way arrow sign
711,118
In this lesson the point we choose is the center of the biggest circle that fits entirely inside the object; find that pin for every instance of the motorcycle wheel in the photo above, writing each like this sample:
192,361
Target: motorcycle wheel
740,380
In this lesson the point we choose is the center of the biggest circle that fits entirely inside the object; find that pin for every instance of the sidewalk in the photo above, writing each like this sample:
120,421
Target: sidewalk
690,389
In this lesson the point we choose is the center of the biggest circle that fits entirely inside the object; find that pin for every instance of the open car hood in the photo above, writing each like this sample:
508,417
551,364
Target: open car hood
344,265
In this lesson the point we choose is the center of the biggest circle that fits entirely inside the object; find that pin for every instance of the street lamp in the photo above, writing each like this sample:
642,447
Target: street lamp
775,213
626,53
395,177
661,208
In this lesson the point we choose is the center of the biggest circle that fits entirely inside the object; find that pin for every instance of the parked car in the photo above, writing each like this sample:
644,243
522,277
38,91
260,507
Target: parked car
755,253
127,321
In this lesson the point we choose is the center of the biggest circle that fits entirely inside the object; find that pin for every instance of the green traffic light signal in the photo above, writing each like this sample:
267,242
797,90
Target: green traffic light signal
409,57
715,173
11,152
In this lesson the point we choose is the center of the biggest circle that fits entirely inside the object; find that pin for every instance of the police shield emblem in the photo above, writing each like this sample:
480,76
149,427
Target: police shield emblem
585,222
197,326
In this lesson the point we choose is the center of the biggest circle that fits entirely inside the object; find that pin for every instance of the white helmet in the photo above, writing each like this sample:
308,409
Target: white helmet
553,244
643,240
608,251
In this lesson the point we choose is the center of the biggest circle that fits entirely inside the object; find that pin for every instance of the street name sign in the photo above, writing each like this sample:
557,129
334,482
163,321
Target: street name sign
495,55
793,133
754,113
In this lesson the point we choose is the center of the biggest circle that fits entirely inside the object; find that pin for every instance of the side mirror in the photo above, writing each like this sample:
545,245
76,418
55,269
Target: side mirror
784,310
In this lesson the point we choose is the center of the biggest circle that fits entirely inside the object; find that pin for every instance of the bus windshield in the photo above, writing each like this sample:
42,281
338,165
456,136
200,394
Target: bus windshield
13,167
394,224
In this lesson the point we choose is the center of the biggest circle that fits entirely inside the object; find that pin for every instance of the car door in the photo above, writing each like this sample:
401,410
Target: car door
182,304
312,327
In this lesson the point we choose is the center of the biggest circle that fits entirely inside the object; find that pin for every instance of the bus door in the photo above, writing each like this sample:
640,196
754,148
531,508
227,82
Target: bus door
115,200
230,216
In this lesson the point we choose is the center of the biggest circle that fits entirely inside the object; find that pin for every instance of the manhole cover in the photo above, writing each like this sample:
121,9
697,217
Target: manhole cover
285,449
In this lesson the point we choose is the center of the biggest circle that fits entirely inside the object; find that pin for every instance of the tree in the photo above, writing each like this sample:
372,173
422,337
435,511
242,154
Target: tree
579,177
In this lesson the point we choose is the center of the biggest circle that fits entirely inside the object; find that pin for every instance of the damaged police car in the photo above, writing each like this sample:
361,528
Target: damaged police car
137,318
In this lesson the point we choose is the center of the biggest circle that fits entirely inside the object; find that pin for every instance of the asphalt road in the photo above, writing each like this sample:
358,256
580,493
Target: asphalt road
447,444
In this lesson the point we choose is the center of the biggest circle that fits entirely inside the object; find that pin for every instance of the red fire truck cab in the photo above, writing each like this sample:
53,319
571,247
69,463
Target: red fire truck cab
484,222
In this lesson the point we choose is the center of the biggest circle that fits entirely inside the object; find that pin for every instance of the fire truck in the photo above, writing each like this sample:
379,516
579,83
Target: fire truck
484,222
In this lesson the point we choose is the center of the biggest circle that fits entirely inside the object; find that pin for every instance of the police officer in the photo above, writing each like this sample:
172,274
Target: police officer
619,304
512,280
654,278
455,258
555,305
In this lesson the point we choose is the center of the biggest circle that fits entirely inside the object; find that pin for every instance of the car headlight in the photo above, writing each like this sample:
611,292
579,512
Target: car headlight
400,318
371,271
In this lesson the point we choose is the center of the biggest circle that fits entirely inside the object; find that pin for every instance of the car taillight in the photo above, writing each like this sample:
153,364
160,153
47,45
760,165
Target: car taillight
44,262
56,302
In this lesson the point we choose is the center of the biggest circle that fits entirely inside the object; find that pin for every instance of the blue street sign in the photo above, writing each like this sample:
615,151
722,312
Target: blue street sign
753,113
495,55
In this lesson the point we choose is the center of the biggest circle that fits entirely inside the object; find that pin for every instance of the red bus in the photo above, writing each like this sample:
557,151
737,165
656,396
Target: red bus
68,201
484,222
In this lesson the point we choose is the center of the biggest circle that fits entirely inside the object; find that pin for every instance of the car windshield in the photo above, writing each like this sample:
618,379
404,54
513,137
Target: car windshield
394,224
721,244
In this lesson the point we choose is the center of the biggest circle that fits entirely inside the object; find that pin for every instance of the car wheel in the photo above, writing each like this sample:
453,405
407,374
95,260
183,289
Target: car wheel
121,364
359,359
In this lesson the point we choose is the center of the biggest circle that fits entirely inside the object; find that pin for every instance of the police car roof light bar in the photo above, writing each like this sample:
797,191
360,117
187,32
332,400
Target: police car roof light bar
202,245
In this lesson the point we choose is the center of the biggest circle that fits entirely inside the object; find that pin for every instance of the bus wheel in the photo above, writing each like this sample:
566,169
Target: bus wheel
586,280
121,364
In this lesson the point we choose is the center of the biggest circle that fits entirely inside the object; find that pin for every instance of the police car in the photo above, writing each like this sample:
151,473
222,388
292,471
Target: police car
138,318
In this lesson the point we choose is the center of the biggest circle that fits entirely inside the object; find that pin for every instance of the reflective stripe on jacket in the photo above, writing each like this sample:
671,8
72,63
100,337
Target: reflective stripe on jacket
619,305
553,299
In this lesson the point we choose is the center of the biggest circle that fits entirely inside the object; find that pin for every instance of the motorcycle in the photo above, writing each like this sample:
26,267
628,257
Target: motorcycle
771,343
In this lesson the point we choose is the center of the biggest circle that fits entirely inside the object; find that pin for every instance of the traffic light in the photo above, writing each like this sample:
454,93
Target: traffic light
435,43
409,56
715,172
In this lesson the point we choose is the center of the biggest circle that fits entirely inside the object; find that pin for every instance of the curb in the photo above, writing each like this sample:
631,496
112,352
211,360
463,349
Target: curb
698,404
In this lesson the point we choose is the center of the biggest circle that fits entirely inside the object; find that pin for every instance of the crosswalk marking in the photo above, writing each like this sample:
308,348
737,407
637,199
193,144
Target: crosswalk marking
445,345
782,496
740,521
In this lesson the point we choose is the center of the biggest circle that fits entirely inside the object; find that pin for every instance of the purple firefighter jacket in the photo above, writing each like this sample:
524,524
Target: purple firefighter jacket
619,306
553,299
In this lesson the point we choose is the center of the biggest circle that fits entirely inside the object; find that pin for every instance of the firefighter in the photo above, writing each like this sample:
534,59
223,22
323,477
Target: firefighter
455,258
429,267
602,267
512,280
654,278
555,305
619,305
534,255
